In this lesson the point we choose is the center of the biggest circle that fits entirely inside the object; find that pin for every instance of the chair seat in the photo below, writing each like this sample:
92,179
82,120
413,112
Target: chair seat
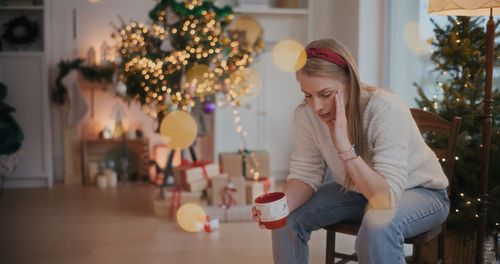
352,228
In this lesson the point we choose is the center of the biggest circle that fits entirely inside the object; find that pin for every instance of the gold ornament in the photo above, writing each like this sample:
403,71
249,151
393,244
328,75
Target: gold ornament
252,29
245,83
197,74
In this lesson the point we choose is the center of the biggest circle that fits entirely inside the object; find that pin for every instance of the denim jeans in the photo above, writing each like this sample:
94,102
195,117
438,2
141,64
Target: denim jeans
382,232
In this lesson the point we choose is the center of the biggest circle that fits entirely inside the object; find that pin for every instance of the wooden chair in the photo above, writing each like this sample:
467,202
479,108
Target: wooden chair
426,122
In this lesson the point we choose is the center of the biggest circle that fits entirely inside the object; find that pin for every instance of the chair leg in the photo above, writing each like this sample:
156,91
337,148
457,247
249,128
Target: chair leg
330,247
2,180
417,254
441,247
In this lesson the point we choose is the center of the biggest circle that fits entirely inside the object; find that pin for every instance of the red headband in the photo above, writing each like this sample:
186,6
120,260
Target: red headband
328,55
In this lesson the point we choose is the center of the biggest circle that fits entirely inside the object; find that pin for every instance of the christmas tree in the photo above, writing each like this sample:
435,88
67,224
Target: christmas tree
186,56
459,55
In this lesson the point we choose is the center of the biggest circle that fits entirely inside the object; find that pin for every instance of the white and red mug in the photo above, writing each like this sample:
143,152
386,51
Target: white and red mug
272,209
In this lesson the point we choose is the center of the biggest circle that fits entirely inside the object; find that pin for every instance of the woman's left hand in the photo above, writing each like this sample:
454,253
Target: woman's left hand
338,126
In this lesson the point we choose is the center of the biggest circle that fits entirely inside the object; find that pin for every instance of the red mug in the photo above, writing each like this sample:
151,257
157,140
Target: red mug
272,209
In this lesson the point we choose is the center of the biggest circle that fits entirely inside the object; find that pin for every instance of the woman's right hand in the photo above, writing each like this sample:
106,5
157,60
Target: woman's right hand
256,218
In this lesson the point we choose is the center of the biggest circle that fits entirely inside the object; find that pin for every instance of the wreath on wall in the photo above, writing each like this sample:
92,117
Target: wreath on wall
20,30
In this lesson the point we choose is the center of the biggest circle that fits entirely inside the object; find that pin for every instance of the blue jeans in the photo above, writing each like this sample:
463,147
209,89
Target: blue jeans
382,232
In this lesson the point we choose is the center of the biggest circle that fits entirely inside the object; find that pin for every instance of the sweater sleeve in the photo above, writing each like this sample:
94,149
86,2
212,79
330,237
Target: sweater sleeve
306,161
391,141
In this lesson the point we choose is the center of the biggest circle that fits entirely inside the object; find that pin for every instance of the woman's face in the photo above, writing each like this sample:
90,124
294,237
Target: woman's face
319,93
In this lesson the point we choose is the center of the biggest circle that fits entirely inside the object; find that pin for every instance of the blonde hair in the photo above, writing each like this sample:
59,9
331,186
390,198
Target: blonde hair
323,68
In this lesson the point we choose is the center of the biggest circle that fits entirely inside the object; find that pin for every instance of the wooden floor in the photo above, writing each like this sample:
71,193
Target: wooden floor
88,225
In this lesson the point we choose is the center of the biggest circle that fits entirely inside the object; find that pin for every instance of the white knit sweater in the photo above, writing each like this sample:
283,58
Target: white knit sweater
395,148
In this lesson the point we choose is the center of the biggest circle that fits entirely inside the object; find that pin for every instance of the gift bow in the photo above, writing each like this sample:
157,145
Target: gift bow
198,163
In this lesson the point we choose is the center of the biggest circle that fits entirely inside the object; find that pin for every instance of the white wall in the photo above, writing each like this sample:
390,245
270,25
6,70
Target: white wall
403,68
338,19
372,41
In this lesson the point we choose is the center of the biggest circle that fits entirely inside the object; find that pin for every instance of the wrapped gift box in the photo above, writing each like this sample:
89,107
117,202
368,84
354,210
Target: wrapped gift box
234,213
220,182
233,163
189,176
254,188
162,206
197,186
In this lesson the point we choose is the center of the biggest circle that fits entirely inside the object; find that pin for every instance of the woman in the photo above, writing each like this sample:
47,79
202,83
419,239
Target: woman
384,173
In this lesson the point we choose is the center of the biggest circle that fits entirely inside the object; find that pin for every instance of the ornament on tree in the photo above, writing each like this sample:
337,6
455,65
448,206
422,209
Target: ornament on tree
169,16
208,107
244,85
166,45
247,31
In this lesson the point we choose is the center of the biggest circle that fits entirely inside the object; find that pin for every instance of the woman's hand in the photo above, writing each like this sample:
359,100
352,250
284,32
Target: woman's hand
338,126
256,217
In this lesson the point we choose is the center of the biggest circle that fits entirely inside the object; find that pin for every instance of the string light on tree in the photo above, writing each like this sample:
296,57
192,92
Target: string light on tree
183,57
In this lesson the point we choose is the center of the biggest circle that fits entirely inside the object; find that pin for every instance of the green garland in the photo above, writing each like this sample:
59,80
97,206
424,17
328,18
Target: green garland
98,73
29,31
90,73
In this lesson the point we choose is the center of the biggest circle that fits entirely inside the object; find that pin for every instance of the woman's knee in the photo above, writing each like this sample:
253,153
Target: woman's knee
378,226
299,223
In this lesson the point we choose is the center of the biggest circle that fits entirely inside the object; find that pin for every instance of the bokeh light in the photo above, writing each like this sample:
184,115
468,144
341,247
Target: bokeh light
413,40
178,130
197,74
191,217
245,83
289,55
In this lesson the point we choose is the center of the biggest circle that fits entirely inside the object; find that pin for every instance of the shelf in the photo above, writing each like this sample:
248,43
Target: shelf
271,11
21,8
21,54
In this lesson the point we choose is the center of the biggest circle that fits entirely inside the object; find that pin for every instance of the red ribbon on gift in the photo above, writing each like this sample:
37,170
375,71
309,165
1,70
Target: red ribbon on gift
207,226
175,201
202,164
186,164
228,198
